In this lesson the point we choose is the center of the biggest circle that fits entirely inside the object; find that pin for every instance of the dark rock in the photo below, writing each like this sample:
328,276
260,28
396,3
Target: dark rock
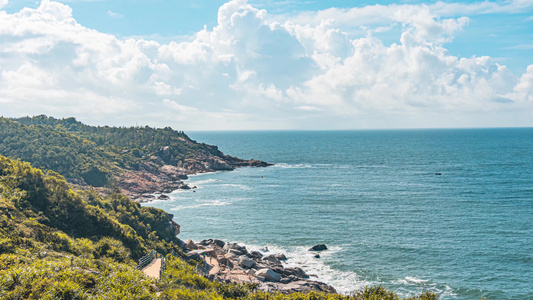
185,187
320,247
281,256
316,255
256,255
219,243
258,163
163,197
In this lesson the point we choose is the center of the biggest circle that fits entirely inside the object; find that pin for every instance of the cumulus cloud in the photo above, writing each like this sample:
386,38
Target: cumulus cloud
254,71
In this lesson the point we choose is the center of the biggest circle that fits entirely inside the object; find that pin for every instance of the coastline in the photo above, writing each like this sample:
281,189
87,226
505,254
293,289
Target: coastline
154,180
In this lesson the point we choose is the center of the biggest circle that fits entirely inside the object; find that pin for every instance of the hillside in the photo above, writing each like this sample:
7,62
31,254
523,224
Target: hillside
60,243
135,160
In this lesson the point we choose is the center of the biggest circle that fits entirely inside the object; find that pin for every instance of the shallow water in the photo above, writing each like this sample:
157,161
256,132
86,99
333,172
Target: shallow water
374,197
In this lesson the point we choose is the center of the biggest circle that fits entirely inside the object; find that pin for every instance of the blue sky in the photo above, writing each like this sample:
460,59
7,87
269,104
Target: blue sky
210,65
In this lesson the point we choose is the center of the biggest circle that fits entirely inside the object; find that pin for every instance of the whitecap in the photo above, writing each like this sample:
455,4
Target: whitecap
294,166
409,279
214,203
233,185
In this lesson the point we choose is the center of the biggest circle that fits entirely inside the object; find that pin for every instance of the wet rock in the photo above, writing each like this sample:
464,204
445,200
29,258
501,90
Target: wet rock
320,247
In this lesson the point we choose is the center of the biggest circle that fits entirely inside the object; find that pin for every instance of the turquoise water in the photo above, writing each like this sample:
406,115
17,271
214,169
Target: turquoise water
374,198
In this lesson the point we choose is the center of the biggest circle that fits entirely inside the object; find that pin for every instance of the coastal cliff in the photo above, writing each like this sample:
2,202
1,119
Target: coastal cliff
138,161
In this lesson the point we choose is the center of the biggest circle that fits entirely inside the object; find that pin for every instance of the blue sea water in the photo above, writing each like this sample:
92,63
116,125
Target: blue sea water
377,200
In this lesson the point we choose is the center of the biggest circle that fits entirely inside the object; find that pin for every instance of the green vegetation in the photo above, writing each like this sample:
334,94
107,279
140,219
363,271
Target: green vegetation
91,155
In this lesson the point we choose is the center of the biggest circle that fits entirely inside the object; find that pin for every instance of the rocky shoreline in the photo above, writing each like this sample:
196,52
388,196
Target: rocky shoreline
231,262
154,179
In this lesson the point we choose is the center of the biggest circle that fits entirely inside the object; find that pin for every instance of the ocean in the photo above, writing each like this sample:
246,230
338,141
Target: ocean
450,211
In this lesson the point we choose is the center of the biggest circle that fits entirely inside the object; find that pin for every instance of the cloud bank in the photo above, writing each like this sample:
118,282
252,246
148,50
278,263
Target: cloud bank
257,71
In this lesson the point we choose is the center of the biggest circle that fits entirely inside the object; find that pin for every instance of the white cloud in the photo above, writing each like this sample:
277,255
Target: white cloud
114,15
3,3
257,71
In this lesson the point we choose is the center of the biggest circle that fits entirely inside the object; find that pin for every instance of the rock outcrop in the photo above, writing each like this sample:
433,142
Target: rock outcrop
320,247
156,176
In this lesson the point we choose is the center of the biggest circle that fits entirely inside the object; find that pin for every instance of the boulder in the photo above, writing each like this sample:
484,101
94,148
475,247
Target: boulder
271,259
219,243
247,263
238,250
224,261
268,274
256,255
191,245
295,271
163,197
281,256
320,247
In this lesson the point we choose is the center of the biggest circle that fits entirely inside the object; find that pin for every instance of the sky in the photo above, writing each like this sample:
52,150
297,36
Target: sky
269,65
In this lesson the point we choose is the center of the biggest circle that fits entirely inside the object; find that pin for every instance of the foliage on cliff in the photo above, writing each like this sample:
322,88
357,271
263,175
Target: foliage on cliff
41,209
94,155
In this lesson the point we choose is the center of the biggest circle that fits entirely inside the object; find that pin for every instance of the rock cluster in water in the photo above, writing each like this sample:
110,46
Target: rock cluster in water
233,262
